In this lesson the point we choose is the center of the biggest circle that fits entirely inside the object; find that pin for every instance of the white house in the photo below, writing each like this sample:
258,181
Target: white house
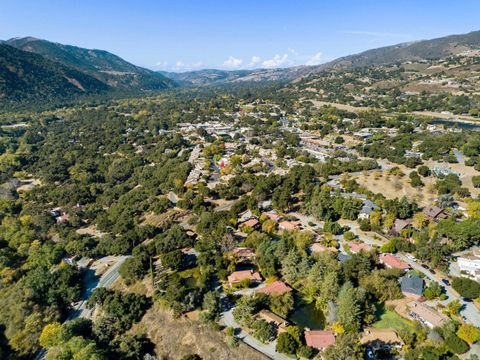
470,264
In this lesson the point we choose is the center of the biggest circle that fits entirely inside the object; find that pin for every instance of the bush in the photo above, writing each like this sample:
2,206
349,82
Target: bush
424,171
467,288
455,344
286,344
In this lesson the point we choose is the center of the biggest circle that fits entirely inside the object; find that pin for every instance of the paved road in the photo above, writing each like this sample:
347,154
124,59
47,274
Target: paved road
469,311
267,349
91,283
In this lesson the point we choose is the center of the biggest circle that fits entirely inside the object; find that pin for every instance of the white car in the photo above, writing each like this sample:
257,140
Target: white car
411,257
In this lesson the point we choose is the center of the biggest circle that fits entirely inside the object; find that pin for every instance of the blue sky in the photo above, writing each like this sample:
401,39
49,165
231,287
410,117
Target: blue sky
182,35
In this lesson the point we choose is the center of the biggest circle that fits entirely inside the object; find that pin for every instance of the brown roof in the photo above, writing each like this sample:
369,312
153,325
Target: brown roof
373,335
275,288
289,225
271,317
251,223
392,261
434,212
400,225
273,216
238,276
243,252
317,247
427,314
319,339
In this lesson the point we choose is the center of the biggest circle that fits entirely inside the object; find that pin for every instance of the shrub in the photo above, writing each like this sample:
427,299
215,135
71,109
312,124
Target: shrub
467,288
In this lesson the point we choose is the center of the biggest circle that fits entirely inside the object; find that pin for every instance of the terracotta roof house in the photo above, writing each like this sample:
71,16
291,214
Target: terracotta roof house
289,225
279,322
391,261
426,315
356,247
400,225
412,287
252,223
318,248
276,288
272,215
319,339
434,213
381,338
238,276
243,253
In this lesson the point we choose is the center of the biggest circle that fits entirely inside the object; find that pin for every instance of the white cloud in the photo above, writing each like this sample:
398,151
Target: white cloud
255,61
315,59
181,66
277,61
232,62
161,64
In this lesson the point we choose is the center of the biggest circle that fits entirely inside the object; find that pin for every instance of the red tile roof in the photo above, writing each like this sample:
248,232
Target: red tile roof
319,339
250,223
357,247
238,276
392,261
276,288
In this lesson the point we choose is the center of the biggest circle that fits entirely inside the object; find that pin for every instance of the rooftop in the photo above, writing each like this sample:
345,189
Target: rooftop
412,285
276,288
319,339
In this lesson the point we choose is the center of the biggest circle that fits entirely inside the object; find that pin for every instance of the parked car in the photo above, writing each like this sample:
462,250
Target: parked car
446,282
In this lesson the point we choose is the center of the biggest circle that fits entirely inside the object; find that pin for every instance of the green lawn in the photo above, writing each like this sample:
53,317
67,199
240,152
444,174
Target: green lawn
390,319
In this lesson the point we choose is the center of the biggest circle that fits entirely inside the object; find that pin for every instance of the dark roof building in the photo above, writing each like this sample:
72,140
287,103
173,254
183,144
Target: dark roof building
412,286
434,213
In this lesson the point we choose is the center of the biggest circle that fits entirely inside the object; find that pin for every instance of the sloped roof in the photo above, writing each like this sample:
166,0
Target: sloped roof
392,261
319,339
412,285
276,288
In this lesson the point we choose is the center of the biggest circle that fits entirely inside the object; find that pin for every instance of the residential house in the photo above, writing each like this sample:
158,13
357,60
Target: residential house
277,321
289,225
243,254
275,288
343,257
239,276
391,261
381,339
244,216
412,286
426,315
356,247
252,223
434,213
318,248
367,208
470,264
272,215
319,339
399,225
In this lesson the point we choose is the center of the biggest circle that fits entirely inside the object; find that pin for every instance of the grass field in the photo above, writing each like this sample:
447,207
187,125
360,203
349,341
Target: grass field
391,320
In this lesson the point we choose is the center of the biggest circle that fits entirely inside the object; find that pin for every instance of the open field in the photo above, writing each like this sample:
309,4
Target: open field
174,338
397,186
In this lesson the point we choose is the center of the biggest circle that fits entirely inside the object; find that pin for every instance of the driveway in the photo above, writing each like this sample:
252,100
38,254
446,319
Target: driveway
268,350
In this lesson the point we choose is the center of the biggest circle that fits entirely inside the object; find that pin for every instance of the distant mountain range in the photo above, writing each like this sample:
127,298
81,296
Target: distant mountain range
413,51
38,70
32,69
